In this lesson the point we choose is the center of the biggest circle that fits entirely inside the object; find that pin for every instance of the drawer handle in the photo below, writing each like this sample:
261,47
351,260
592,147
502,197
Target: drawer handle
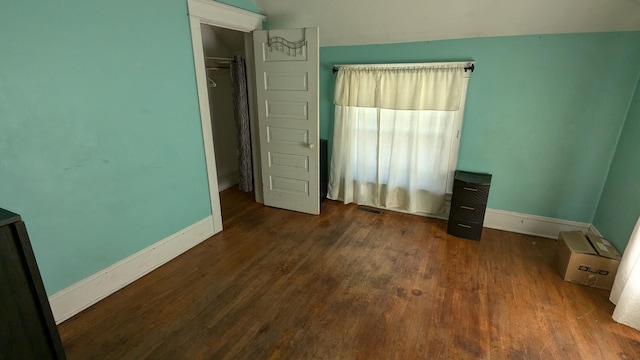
470,189
465,226
467,207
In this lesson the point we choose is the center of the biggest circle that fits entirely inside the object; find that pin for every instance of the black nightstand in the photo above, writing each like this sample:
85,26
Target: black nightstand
468,204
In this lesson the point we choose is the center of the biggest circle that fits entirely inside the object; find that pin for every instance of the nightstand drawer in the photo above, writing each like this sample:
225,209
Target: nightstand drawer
468,192
464,229
467,211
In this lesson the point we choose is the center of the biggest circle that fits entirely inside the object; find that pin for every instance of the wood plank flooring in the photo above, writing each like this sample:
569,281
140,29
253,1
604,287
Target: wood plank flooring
348,284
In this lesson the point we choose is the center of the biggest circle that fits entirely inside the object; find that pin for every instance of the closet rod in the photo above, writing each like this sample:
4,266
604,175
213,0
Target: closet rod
218,58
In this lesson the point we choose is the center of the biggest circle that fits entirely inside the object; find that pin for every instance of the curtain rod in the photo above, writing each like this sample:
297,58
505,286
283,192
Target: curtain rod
471,65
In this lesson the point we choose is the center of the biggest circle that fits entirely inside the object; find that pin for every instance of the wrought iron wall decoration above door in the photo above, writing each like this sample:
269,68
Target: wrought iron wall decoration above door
291,48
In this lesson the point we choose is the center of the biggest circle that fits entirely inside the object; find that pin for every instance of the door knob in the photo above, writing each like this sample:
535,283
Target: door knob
311,145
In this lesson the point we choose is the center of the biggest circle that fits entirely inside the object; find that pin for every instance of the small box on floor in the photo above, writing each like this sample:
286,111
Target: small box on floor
586,259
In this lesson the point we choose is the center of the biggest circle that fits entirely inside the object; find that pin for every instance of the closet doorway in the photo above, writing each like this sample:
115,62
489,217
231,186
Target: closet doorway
222,47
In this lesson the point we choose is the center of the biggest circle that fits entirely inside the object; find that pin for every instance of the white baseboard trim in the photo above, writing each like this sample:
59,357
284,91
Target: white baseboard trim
79,296
519,223
227,180
594,231
531,224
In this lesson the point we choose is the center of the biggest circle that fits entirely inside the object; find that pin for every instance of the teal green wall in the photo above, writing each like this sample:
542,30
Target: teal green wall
248,5
543,113
619,207
101,148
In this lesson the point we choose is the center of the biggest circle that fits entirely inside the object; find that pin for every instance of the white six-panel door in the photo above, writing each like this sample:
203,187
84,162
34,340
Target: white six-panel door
286,64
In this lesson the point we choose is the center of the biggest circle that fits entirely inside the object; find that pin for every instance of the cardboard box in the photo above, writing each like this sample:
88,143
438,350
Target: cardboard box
587,260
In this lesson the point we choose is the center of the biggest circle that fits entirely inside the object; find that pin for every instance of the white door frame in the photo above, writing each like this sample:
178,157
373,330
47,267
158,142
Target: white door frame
225,16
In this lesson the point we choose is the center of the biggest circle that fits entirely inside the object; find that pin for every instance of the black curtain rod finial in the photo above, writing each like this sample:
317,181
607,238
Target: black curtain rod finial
335,69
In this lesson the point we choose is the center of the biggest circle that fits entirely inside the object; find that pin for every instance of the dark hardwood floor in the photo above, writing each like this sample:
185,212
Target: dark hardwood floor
348,284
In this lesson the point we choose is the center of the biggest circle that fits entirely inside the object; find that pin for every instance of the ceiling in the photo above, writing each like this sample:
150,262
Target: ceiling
232,41
354,22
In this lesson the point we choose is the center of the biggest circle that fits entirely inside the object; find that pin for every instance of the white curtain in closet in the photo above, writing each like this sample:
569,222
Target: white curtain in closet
393,132
626,287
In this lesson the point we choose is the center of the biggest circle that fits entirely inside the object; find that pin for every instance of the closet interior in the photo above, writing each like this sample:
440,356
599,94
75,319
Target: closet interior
219,46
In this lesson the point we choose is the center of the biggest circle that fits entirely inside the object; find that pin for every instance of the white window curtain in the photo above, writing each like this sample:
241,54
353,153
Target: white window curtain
393,133
626,287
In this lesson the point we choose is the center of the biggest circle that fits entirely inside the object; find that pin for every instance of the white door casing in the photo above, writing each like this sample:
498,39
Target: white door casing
229,17
286,64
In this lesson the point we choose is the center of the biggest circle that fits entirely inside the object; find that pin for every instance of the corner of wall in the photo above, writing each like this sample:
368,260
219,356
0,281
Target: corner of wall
626,118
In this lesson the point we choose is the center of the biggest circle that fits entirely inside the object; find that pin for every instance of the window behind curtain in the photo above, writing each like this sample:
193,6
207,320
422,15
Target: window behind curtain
396,135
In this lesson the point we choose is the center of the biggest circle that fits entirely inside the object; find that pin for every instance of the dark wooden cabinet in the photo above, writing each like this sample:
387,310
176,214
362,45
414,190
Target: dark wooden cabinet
27,327
468,204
